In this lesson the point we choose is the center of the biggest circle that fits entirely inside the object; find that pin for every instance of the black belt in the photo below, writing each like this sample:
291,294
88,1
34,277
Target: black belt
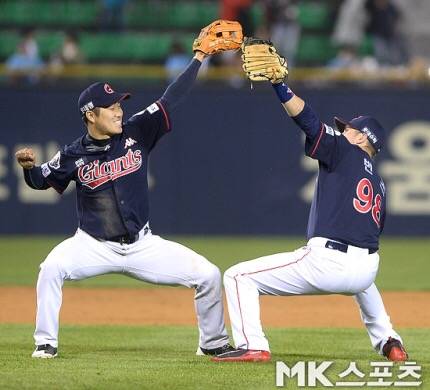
126,239
340,246
129,239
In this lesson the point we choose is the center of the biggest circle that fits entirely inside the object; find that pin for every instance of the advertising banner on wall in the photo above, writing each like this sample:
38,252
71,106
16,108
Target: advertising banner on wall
233,164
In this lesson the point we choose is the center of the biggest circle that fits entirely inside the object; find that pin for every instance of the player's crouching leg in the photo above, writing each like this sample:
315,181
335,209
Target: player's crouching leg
243,307
236,276
209,281
210,312
49,298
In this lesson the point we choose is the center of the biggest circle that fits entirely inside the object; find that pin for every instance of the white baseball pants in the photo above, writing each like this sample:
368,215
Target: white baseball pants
151,259
310,270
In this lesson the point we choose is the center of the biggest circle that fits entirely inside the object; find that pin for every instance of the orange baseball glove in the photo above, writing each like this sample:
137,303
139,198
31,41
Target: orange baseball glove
221,35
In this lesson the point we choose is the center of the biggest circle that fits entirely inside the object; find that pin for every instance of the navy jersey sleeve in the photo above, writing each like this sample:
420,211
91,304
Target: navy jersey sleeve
59,171
327,146
34,178
150,124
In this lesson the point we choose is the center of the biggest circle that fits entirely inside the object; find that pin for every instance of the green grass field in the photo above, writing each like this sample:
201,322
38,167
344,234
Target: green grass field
144,357
113,357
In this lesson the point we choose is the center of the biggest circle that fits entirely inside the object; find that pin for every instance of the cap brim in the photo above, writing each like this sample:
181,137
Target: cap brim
115,98
340,123
124,96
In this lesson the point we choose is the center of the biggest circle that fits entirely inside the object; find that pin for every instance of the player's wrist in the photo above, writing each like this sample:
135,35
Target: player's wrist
199,55
283,92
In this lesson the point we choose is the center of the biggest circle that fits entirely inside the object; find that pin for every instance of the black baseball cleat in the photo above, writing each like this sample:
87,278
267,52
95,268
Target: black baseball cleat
45,351
215,351
393,350
243,355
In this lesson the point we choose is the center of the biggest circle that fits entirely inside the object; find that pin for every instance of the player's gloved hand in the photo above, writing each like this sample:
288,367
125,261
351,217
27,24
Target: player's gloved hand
262,62
221,35
26,158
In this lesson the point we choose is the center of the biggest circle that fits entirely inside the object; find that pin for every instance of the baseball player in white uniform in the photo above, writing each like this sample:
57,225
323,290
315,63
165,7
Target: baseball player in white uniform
346,219
109,166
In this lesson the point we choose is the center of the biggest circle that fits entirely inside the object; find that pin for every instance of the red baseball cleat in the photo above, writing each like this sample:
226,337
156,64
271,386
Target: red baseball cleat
243,355
393,350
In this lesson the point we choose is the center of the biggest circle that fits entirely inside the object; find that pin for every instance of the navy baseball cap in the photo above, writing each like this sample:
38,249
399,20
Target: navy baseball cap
367,125
99,95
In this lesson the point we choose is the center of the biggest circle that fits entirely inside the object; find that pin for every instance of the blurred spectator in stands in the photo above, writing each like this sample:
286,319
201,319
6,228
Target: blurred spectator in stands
346,58
113,14
283,28
389,43
25,64
416,27
350,26
177,60
69,53
239,10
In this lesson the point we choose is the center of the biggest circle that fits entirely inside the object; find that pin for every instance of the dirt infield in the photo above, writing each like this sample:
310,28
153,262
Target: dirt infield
174,306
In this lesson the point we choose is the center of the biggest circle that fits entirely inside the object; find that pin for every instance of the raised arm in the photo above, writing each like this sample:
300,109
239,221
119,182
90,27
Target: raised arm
292,103
220,35
180,87
262,62
298,110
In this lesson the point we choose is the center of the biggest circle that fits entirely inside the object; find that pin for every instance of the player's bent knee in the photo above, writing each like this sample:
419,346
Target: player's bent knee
50,268
212,274
232,272
229,275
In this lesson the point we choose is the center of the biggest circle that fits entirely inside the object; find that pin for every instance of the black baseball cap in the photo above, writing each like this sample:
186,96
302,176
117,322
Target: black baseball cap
367,125
99,95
